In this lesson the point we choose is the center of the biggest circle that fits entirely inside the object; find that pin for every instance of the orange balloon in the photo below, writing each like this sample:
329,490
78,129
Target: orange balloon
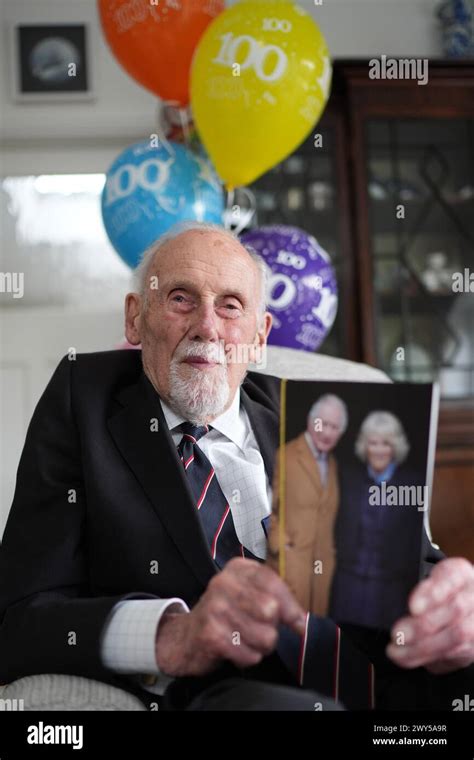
155,42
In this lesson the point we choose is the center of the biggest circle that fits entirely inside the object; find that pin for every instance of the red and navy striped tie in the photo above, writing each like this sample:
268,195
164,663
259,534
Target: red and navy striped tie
321,659
214,509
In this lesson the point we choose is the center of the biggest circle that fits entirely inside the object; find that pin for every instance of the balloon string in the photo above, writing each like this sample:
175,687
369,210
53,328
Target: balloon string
184,126
162,138
167,145
229,204
247,214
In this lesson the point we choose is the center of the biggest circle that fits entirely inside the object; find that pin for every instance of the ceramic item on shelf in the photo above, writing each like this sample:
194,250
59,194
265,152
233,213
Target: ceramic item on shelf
381,190
456,18
295,199
320,194
438,275
294,165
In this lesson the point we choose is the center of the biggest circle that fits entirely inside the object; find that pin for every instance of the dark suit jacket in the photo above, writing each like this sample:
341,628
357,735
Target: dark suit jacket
99,496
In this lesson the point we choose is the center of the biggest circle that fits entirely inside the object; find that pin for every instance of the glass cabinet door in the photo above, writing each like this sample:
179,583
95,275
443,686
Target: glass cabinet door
303,191
421,221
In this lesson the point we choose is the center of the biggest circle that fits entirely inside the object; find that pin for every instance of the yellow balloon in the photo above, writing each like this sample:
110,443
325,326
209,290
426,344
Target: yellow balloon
260,80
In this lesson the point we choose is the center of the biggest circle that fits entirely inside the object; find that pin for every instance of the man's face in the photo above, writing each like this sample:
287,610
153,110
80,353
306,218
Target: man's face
326,428
379,452
199,329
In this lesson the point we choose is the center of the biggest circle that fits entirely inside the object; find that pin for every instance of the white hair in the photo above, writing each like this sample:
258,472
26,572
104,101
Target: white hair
329,398
201,395
141,271
386,424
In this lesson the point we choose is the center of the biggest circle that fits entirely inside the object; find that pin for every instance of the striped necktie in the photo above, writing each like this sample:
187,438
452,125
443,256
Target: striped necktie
213,507
322,658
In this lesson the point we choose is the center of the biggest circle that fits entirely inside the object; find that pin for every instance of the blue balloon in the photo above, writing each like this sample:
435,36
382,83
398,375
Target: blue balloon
148,189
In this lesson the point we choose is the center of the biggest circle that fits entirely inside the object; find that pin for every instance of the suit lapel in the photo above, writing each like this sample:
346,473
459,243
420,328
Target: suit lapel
153,458
309,463
265,426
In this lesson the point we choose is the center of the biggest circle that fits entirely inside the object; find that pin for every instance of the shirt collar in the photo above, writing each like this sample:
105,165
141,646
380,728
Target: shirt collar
387,474
316,453
230,423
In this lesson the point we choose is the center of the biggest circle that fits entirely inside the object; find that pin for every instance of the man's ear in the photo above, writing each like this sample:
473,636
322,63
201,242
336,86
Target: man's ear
261,338
266,326
133,310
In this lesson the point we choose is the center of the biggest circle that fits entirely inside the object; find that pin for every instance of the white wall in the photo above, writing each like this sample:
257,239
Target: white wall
32,343
122,108
367,28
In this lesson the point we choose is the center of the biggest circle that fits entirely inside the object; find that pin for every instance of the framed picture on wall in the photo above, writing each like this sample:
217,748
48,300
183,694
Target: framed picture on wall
51,62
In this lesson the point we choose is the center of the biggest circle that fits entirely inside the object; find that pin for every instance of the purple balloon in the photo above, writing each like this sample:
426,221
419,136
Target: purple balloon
302,288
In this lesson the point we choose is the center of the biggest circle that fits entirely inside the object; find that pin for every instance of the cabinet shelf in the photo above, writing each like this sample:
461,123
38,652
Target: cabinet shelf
418,304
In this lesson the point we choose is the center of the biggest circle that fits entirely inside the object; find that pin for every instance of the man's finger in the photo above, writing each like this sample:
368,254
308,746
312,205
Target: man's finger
443,645
446,579
265,579
244,656
246,598
260,606
246,630
291,612
418,627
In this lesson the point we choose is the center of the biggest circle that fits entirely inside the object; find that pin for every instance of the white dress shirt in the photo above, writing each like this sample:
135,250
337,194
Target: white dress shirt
128,639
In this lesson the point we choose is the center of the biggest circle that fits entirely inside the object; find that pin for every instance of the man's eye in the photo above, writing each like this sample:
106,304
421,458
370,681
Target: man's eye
175,298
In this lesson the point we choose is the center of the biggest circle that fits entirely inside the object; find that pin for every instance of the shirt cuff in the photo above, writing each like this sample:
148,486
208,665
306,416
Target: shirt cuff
129,635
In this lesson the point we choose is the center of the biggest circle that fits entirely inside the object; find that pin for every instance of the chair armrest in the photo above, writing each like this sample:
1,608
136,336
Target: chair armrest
64,692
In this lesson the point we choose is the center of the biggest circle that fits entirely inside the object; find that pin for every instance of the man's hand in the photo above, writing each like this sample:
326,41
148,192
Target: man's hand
439,633
236,619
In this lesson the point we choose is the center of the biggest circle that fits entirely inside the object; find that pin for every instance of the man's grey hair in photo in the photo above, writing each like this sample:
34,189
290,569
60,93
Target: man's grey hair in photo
329,398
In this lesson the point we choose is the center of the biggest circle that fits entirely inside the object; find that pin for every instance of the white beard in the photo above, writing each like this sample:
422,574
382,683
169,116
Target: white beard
201,396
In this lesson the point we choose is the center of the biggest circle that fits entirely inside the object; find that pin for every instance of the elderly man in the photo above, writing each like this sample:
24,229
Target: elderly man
311,504
132,545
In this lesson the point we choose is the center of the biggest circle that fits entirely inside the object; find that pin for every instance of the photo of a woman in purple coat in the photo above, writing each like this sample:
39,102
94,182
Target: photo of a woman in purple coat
378,528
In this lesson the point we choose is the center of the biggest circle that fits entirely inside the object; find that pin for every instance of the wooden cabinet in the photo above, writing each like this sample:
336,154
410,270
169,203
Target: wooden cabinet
388,190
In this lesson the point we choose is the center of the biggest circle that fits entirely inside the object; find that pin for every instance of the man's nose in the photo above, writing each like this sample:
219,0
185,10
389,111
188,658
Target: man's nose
204,325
